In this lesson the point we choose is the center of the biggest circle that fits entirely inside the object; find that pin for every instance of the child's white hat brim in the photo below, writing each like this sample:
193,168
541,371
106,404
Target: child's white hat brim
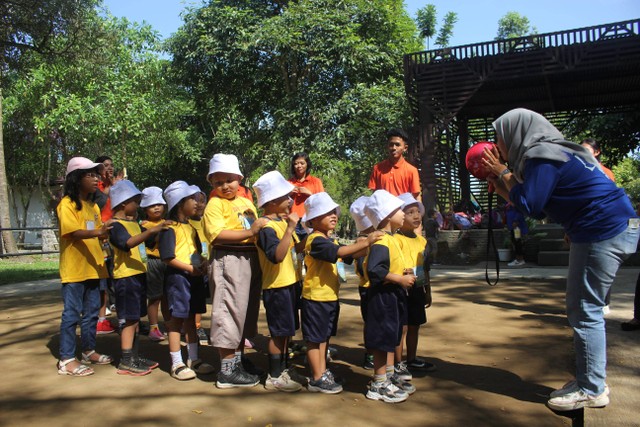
80,163
317,205
380,205
122,191
226,163
152,196
408,200
357,213
176,191
271,186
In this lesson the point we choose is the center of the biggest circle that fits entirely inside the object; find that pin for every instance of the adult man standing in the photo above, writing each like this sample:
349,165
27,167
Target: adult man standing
395,174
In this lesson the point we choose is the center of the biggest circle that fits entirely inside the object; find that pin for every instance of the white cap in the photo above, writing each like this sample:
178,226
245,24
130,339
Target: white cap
197,189
408,199
80,163
122,191
271,186
152,196
380,205
357,213
317,205
177,191
227,163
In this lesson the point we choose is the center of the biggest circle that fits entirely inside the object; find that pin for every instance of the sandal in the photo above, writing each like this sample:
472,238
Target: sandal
80,370
182,373
103,359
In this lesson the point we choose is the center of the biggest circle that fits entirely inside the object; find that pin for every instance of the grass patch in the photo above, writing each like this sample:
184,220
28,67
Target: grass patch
27,269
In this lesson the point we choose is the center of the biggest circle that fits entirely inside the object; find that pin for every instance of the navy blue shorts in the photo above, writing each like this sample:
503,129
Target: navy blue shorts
416,301
282,315
185,294
364,302
319,320
131,297
386,315
156,270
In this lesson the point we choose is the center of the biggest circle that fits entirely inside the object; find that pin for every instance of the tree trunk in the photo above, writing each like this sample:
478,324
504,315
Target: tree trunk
5,218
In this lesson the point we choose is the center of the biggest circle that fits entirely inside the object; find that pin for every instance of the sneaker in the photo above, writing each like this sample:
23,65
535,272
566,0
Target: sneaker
335,378
107,311
237,378
282,383
570,387
104,327
387,392
203,338
250,368
200,367
134,368
368,361
402,372
156,335
576,400
419,364
402,385
516,263
151,364
182,372
325,384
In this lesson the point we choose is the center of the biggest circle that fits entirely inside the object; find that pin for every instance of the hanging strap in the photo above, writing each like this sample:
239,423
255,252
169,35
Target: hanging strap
491,243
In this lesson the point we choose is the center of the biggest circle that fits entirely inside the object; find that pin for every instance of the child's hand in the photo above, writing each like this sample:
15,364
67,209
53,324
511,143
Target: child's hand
374,237
293,219
407,280
258,224
103,232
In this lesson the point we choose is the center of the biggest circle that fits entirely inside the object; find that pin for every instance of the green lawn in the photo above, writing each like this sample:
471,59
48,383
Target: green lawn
26,269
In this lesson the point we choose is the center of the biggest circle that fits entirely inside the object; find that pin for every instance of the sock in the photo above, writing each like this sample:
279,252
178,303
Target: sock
127,356
275,365
379,379
154,327
390,370
227,365
176,358
121,322
238,356
192,351
101,319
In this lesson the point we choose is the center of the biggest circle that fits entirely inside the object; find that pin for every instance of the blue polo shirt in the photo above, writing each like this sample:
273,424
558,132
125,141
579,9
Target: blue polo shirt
575,194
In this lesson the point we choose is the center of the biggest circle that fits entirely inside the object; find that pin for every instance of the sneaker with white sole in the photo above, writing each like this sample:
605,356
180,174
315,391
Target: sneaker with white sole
325,384
401,370
516,263
576,400
282,383
387,392
570,387
402,385
237,378
419,364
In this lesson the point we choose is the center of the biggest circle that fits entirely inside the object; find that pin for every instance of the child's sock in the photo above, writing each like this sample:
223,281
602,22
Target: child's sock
176,358
390,370
379,379
227,365
238,357
127,356
154,327
275,365
192,351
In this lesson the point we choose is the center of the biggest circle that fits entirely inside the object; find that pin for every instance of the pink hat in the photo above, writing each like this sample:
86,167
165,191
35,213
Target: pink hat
80,163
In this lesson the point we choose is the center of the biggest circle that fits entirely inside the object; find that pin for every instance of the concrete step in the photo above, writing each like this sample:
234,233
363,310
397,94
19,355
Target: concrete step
553,258
551,231
553,245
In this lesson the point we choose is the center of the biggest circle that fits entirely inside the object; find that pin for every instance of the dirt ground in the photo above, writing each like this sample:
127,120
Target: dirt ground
499,352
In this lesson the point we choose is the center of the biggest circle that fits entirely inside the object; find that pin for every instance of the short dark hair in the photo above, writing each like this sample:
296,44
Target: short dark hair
101,159
593,144
400,133
300,155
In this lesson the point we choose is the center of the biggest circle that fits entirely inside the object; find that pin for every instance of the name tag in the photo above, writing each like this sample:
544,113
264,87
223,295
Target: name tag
419,273
143,252
634,223
91,225
342,274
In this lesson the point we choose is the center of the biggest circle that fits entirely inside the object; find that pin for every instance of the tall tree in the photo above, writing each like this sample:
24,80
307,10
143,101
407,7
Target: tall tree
426,20
513,25
446,30
27,25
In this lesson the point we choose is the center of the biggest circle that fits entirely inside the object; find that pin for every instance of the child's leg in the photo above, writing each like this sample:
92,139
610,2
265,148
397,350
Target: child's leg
90,307
189,327
198,320
71,313
399,347
317,362
412,341
380,360
174,326
277,355
164,309
152,311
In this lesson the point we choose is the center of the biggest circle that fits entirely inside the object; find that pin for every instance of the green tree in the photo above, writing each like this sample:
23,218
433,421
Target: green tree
426,20
446,30
627,174
513,25
271,78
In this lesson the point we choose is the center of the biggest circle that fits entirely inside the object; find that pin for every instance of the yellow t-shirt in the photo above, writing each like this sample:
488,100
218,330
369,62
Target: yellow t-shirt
80,259
321,283
396,260
361,268
179,242
155,251
222,214
281,274
413,251
127,263
197,225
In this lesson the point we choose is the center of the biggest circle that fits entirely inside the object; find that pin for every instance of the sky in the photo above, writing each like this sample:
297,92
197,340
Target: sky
477,19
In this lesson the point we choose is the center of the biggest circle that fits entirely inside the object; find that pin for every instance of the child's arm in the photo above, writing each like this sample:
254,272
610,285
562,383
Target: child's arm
277,252
358,249
236,236
187,268
378,268
101,233
134,241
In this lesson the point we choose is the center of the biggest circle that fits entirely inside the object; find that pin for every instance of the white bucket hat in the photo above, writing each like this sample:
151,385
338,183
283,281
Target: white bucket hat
408,199
380,205
197,189
152,196
80,163
177,191
122,191
357,213
271,186
227,163
317,205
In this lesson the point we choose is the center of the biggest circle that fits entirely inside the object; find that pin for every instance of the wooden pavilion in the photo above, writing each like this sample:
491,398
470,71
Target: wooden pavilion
455,93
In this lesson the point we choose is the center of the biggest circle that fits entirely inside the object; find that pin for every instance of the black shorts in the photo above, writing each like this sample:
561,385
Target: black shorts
416,311
364,302
386,315
155,278
131,298
319,320
282,314
186,295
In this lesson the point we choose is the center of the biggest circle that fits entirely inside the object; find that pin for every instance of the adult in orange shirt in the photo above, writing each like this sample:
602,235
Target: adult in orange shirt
593,146
395,174
304,183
